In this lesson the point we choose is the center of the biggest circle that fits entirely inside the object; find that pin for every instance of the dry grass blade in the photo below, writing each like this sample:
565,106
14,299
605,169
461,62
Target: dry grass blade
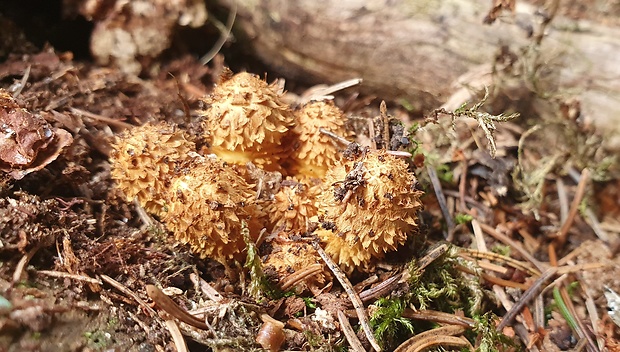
224,35
129,293
354,342
23,262
353,296
513,244
177,337
439,336
207,289
492,279
501,258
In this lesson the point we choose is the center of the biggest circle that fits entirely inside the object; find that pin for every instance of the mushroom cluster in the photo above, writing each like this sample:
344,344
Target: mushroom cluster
365,203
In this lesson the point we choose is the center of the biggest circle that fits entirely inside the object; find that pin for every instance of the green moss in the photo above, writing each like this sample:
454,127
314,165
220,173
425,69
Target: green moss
488,339
463,218
259,285
388,324
441,286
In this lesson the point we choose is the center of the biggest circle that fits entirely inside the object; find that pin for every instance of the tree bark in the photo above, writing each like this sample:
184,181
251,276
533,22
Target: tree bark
420,50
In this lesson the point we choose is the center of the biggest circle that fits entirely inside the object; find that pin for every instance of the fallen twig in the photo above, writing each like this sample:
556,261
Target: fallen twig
346,328
64,275
438,317
292,279
561,236
441,199
353,296
527,296
129,293
169,306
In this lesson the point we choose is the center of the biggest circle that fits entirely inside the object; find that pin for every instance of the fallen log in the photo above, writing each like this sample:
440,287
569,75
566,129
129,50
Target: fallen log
427,51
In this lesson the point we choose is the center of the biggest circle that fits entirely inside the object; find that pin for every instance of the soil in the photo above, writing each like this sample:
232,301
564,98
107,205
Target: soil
76,257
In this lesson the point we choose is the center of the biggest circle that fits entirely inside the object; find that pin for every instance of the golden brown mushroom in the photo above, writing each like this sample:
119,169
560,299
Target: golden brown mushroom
369,208
144,161
246,121
206,210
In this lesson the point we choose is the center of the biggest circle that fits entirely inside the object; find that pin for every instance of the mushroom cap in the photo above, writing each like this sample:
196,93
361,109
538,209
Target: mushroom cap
246,116
293,205
144,161
316,152
206,208
370,205
289,256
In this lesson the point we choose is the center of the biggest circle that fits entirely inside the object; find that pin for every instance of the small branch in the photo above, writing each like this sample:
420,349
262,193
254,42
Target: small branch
64,275
581,189
438,317
292,279
129,293
527,296
355,299
441,198
101,118
346,328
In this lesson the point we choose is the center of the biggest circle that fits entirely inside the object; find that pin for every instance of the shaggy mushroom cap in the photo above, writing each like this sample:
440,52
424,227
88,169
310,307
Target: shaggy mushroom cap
144,161
293,205
369,208
246,121
288,257
316,152
206,208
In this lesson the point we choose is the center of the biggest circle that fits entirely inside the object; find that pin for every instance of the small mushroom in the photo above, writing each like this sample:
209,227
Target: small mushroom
293,205
295,265
246,121
206,208
314,152
144,161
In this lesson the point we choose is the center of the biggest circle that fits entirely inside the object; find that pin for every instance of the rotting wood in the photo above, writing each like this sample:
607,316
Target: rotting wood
424,51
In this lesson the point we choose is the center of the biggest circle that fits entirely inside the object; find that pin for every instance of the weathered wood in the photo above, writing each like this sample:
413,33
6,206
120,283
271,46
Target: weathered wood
417,50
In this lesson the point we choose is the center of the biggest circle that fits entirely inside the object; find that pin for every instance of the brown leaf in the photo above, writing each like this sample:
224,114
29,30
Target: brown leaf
28,142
